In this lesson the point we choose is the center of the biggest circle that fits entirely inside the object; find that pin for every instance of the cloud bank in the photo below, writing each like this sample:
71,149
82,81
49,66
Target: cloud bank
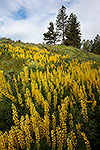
28,20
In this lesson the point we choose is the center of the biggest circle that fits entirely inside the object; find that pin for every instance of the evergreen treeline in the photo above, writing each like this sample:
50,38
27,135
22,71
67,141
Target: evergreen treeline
68,33
67,30
92,45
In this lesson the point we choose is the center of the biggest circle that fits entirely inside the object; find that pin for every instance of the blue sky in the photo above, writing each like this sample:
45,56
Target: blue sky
27,20
20,14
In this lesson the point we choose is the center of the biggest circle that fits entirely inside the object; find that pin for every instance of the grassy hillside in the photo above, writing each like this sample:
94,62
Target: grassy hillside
74,52
49,97
9,64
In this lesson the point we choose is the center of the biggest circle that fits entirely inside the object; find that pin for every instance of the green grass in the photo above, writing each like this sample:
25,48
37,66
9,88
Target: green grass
12,66
74,52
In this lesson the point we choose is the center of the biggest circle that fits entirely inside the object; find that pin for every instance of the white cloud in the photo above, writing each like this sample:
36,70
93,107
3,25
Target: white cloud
41,12
30,29
88,15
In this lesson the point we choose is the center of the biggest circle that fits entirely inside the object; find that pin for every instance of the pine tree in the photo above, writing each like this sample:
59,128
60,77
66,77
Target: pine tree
72,31
61,21
96,44
51,35
87,45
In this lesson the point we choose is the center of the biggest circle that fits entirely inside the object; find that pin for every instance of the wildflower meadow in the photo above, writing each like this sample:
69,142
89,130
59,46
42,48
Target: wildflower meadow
53,102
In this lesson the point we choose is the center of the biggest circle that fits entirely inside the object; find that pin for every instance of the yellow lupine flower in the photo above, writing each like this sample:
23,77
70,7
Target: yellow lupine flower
15,115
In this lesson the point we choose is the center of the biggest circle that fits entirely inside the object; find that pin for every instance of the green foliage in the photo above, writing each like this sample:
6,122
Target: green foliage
73,52
87,45
61,23
10,65
96,45
92,128
5,114
72,32
92,45
51,35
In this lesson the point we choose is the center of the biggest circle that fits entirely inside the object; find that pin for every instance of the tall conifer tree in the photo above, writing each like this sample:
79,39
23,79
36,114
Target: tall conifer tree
61,21
96,44
87,45
51,35
72,31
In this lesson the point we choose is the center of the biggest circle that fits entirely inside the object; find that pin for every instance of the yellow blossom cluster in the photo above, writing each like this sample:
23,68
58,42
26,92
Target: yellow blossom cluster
48,98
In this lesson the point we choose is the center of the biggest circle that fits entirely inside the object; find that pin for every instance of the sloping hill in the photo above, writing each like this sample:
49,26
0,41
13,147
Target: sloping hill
49,97
74,52
9,64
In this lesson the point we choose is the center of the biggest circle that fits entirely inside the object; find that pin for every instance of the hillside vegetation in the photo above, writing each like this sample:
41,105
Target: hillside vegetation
49,97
